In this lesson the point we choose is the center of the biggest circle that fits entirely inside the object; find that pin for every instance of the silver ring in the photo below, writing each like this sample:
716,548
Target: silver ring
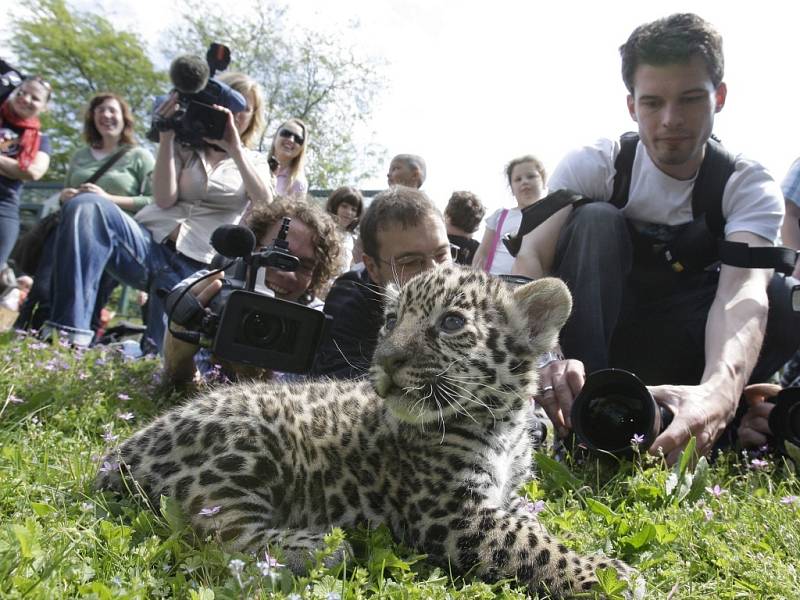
547,388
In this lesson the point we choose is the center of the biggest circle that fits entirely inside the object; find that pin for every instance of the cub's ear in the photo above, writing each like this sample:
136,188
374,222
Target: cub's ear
547,304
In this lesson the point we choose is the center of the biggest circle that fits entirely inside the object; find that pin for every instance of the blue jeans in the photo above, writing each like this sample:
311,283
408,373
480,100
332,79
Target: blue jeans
9,225
96,236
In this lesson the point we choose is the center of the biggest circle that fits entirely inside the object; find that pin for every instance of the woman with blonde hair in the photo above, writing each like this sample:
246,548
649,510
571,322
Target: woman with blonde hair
195,190
288,158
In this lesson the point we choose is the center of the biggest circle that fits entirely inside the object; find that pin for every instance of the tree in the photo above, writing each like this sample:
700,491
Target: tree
305,74
80,54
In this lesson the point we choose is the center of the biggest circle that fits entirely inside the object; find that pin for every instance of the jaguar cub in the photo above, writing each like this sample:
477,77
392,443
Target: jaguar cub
435,447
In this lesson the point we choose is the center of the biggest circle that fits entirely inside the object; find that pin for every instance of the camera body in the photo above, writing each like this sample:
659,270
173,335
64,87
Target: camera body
244,325
10,79
196,118
784,419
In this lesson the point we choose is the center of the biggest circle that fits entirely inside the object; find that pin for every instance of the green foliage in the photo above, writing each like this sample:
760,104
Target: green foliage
729,530
81,53
317,77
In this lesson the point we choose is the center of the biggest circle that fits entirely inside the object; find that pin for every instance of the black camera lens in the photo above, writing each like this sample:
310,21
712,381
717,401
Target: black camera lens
784,420
262,330
614,408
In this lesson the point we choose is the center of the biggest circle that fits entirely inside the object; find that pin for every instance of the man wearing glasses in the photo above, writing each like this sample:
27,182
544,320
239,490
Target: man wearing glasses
403,234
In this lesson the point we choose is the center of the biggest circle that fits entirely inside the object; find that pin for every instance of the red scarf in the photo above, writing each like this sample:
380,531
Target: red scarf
30,137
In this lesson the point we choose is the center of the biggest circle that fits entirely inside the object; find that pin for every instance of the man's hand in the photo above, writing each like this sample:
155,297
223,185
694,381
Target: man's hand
698,411
754,428
559,384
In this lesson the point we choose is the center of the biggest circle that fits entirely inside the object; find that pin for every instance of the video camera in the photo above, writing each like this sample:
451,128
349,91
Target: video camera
244,325
10,79
614,406
198,91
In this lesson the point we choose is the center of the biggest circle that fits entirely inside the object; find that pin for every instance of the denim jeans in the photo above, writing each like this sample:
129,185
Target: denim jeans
95,237
9,226
658,336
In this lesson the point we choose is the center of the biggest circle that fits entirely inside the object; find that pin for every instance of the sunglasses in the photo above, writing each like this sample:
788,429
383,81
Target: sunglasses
291,135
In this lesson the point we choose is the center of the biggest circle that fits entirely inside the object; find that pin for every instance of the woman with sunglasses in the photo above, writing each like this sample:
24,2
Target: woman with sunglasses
288,158
195,190
24,156
527,178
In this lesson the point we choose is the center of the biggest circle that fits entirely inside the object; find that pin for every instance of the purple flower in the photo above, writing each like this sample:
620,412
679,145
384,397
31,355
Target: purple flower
39,346
108,466
126,416
790,500
637,439
100,362
209,511
122,396
267,565
109,437
709,514
716,491
14,399
534,507
758,464
83,376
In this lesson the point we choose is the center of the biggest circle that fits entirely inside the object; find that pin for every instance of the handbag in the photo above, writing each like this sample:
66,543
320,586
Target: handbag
27,251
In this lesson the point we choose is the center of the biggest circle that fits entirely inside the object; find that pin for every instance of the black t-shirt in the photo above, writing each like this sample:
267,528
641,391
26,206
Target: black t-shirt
467,248
356,305
9,146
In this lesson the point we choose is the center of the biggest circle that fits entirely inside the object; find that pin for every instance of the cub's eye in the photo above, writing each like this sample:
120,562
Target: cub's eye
391,321
452,322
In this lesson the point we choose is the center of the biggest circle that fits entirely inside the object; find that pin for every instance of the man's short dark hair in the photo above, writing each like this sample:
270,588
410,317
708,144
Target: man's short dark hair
327,247
673,40
399,205
415,163
465,211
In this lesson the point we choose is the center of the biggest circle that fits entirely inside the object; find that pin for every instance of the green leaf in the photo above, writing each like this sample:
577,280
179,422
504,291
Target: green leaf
201,593
641,537
699,480
26,538
556,473
173,514
794,453
42,509
610,583
601,509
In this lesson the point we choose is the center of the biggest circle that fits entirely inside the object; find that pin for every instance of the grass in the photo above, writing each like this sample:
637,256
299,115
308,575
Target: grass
730,530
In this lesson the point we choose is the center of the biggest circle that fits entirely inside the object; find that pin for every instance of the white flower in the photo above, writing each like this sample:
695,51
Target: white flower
209,511
236,566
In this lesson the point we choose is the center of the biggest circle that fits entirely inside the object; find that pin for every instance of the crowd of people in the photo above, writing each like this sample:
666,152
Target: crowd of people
652,293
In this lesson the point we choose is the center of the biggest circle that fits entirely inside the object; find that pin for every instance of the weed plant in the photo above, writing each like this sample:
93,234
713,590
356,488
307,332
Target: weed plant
727,530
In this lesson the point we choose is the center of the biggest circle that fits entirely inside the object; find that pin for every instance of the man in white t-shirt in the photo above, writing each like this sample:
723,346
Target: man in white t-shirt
694,336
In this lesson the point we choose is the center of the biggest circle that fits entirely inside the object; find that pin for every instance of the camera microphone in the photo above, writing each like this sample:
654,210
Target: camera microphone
233,241
189,74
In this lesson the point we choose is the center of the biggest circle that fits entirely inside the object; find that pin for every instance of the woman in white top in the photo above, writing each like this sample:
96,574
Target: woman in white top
288,158
195,190
527,179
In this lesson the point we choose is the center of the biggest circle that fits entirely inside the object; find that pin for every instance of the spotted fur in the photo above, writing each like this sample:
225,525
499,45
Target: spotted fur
436,446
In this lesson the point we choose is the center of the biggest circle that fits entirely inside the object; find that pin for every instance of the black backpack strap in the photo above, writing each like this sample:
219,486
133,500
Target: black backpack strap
538,212
717,167
739,254
623,167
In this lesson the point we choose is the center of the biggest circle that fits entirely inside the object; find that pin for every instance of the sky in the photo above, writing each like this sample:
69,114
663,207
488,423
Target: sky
471,85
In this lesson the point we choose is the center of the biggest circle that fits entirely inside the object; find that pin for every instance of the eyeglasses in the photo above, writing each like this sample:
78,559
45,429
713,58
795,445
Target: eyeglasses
291,135
418,262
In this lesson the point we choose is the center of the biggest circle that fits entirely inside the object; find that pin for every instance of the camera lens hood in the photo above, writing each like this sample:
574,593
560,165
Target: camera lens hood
613,407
